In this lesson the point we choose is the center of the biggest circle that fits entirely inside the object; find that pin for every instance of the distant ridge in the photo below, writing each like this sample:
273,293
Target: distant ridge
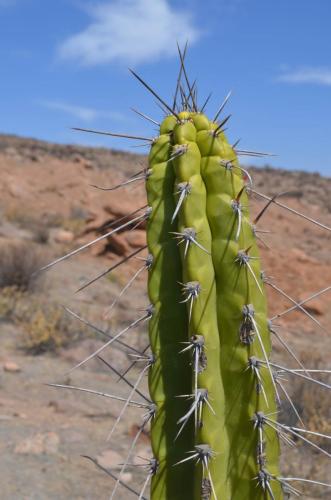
313,186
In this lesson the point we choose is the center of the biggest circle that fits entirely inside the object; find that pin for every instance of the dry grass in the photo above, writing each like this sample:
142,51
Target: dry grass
48,328
312,401
18,265
18,216
45,326
10,297
74,225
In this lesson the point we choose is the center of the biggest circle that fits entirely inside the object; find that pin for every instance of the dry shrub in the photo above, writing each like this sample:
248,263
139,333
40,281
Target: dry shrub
25,220
19,216
48,328
75,226
44,327
10,297
41,234
18,264
312,401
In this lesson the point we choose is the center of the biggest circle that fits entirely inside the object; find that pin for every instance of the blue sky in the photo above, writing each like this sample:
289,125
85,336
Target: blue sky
64,63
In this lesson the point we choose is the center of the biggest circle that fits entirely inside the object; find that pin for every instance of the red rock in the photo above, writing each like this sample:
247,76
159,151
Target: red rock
98,248
63,236
11,367
314,307
117,244
136,238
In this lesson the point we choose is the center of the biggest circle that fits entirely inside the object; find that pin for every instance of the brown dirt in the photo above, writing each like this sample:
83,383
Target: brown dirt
44,430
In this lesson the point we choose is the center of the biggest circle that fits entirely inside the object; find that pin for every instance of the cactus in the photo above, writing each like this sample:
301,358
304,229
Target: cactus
219,272
213,390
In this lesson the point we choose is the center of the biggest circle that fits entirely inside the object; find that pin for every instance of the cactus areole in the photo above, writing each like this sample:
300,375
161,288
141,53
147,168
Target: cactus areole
211,380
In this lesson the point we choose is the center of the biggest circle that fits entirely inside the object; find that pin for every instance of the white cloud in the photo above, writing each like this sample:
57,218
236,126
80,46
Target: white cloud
82,113
131,32
319,76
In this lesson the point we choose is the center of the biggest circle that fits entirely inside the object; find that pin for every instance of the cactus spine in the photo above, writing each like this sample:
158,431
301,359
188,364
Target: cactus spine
216,267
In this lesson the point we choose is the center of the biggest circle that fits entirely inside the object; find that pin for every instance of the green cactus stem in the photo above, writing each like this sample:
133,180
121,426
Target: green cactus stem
170,375
205,256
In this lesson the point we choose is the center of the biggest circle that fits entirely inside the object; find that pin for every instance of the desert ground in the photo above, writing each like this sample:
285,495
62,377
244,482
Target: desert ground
49,206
